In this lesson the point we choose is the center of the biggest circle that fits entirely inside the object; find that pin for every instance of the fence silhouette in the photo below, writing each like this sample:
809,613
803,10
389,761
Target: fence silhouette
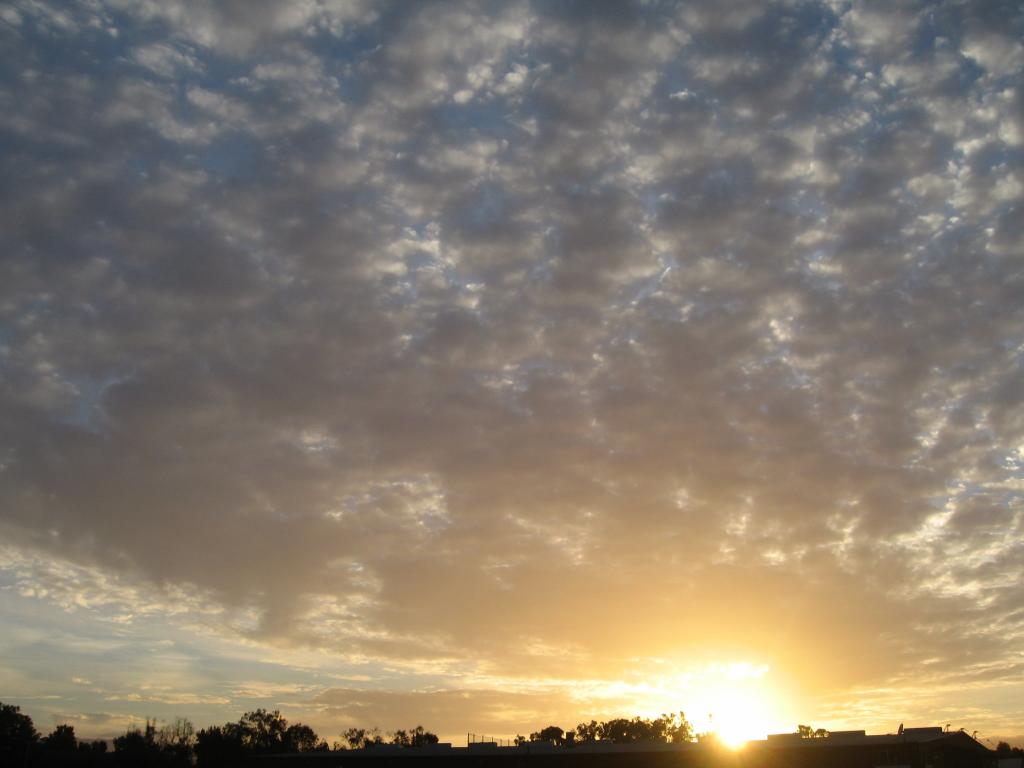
478,738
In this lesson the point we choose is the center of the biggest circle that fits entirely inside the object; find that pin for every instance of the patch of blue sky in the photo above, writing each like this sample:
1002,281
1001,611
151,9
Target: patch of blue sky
731,180
821,18
968,73
969,490
932,26
779,357
865,381
46,153
805,203
516,378
488,207
87,409
50,639
401,294
994,155
536,364
846,60
142,165
235,156
354,45
486,118
892,114
649,202
955,234
343,56
98,49
344,201
677,88
1013,461
8,580
642,288
111,656
854,184
459,279
10,335
945,251
421,260
542,271
226,670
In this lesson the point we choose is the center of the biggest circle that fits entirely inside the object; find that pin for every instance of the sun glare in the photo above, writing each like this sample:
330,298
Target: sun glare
736,716
736,702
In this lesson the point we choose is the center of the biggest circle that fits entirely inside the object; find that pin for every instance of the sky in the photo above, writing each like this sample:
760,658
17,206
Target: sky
489,365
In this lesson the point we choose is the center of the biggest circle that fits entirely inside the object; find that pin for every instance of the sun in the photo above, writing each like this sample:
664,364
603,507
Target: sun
736,703
738,716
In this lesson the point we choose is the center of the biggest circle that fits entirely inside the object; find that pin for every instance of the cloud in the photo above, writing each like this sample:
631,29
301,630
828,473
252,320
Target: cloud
165,60
435,338
239,28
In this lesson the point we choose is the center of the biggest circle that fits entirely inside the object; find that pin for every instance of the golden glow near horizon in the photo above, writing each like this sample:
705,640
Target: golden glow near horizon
736,701
737,706
738,716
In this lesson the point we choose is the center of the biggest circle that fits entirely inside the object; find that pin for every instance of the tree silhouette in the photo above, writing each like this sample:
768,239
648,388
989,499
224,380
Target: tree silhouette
674,728
302,738
361,738
137,747
807,732
414,737
552,735
263,732
219,746
61,739
177,736
17,735
135,741
91,753
175,742
256,733
619,730
588,731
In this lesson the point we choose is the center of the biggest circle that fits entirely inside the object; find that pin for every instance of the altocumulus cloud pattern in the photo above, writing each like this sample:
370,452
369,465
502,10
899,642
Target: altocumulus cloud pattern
522,342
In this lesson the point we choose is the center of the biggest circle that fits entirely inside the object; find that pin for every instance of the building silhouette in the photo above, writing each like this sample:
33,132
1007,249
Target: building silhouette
910,748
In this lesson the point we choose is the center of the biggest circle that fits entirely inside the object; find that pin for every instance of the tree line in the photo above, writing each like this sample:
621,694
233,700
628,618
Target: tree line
179,744
674,729
261,732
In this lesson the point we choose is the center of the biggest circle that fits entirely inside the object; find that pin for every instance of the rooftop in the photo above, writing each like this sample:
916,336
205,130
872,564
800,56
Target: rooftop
773,741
